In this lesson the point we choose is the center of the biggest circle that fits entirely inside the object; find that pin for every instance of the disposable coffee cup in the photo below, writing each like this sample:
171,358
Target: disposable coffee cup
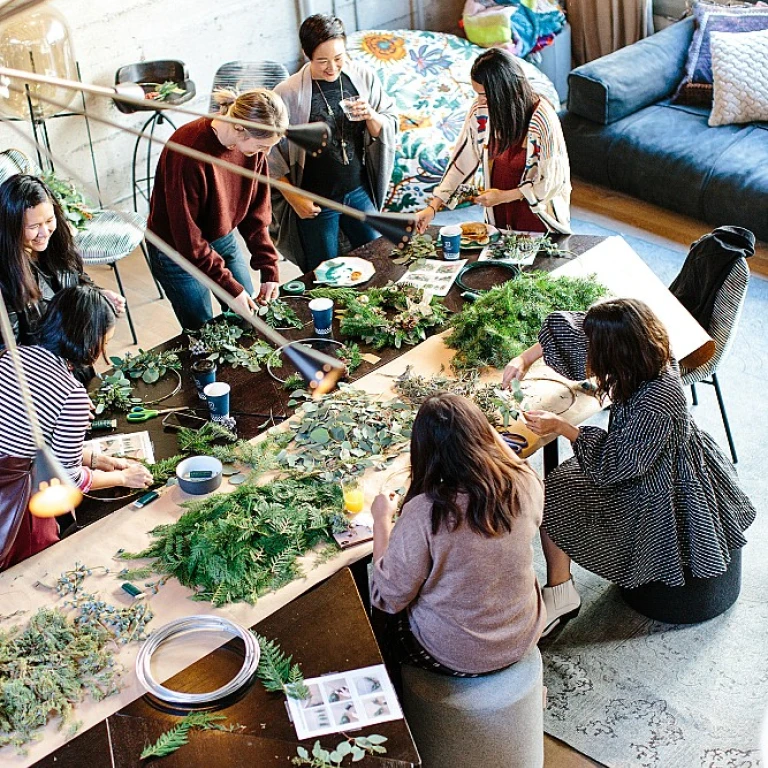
450,239
322,316
204,373
217,395
346,107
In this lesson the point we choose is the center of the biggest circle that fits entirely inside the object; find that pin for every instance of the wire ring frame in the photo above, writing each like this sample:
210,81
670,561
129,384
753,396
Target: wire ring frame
183,626
563,384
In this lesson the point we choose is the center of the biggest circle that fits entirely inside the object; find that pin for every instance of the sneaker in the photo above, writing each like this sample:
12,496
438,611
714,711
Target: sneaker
562,603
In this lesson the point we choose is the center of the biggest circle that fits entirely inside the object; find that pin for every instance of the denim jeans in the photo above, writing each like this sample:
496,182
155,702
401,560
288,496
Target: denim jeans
190,300
320,235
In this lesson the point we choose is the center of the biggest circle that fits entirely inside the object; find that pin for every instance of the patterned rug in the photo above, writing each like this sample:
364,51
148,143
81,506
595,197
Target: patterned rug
631,692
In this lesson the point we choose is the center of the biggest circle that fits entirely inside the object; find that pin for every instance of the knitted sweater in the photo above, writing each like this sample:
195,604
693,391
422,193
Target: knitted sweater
195,203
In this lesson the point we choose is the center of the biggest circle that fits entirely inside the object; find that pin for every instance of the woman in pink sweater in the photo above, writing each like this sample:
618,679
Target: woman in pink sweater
457,567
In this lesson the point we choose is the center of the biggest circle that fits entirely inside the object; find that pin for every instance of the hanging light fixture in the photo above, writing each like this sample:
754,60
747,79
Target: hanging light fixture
53,492
37,42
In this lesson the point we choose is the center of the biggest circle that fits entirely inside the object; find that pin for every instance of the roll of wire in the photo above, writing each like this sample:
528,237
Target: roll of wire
184,626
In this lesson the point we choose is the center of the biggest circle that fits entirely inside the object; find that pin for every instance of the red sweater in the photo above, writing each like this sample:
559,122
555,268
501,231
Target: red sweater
195,203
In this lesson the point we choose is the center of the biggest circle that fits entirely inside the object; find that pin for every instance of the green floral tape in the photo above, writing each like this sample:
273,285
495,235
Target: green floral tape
294,288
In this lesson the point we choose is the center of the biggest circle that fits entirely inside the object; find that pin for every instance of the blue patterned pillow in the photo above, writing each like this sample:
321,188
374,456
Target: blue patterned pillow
696,86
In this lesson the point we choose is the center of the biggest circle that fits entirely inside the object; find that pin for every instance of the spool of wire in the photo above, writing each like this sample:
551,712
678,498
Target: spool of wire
184,626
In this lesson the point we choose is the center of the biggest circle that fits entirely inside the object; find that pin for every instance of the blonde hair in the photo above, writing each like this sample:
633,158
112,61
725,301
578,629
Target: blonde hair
258,105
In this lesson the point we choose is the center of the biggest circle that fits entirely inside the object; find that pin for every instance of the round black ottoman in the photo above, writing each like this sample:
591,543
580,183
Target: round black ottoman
697,600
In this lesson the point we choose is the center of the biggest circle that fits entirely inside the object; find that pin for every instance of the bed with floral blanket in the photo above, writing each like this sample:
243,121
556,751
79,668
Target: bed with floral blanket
427,73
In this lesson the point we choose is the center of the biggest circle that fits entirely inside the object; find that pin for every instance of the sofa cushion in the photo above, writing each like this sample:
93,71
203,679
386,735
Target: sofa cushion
740,71
614,86
696,85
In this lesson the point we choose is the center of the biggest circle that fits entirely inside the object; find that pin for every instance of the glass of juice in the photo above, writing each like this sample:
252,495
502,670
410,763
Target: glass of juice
353,489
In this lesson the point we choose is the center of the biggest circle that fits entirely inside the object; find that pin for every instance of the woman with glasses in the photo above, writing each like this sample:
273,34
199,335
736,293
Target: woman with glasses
354,169
196,207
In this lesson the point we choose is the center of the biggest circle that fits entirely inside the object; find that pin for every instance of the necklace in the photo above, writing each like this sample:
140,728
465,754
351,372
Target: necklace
339,124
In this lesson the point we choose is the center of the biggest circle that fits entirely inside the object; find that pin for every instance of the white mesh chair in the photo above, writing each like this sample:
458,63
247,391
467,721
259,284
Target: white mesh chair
729,303
108,236
245,75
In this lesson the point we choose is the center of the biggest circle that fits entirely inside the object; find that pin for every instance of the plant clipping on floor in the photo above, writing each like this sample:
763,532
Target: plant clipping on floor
385,317
506,320
354,747
345,433
237,546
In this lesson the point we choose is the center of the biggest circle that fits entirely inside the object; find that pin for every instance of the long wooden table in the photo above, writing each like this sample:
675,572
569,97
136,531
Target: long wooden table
612,261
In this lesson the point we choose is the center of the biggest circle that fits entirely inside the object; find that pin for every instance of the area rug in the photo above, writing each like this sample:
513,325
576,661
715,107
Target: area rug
631,692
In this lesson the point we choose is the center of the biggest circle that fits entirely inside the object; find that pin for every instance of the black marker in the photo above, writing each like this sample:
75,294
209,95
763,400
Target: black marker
147,498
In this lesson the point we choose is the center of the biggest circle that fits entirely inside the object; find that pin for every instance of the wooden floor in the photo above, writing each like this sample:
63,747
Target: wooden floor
155,322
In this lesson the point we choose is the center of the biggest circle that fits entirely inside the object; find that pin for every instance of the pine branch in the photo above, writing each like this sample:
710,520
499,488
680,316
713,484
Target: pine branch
276,671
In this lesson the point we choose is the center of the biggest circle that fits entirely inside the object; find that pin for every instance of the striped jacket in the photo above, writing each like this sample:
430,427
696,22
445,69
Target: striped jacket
546,182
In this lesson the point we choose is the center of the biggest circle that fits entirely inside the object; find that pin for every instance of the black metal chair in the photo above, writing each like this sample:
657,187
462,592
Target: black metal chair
728,306
245,75
150,75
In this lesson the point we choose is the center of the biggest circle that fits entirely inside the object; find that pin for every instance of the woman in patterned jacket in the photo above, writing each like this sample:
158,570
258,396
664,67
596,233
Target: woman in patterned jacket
515,136
650,496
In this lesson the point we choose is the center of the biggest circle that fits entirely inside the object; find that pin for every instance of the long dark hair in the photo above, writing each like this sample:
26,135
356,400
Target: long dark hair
17,279
511,100
454,451
628,345
318,29
76,324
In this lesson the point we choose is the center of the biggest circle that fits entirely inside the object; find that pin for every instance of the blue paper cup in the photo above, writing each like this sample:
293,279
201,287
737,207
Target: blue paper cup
217,395
204,373
322,316
450,239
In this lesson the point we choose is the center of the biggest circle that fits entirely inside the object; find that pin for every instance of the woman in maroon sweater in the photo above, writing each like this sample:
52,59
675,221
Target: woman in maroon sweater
196,207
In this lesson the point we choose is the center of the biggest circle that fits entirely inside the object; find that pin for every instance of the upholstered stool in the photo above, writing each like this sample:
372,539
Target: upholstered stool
697,600
494,721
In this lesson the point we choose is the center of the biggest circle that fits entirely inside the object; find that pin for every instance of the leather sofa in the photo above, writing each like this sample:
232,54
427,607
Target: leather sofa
624,133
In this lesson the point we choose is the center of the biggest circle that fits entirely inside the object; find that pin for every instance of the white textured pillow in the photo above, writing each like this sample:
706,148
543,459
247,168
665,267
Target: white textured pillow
739,76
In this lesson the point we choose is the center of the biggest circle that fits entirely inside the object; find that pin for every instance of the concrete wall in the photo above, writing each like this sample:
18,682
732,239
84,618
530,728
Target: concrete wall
204,35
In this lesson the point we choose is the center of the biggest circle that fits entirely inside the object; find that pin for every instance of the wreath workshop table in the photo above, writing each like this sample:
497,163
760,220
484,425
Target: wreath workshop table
611,260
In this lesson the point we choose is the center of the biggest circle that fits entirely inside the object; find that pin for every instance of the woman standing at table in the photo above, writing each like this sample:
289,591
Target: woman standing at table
74,333
354,169
514,135
650,496
196,207
38,257
457,568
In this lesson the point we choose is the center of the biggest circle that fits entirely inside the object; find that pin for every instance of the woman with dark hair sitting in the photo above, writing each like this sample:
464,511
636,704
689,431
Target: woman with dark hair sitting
514,136
74,333
457,567
354,169
650,496
38,257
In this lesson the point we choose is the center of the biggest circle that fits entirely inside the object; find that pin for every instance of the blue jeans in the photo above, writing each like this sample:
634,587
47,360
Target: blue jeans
190,300
320,235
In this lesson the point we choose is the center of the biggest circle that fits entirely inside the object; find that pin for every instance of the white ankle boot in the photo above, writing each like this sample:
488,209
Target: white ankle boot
562,603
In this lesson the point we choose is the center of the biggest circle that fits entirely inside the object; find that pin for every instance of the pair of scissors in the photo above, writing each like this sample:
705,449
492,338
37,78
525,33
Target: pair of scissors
516,442
140,413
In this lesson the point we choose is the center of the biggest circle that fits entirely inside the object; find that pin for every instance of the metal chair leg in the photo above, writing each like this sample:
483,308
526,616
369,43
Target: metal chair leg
693,395
149,264
725,417
127,308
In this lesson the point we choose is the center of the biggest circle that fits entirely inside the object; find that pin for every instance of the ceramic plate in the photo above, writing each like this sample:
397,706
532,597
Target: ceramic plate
344,271
469,245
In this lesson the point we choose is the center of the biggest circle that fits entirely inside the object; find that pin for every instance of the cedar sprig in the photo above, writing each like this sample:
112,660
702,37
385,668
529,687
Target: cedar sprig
276,671
178,736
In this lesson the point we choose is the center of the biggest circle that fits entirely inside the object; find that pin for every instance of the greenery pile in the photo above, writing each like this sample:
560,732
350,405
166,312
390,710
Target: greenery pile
419,248
506,320
279,314
220,341
237,546
516,246
386,317
114,394
345,433
150,366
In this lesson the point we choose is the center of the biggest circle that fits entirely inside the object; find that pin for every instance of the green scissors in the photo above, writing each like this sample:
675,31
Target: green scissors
140,413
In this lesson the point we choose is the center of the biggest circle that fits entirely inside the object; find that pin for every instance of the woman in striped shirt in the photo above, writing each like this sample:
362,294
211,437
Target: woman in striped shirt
74,333
515,137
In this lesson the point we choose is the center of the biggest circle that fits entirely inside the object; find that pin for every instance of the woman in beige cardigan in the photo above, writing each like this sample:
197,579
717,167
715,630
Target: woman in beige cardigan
515,137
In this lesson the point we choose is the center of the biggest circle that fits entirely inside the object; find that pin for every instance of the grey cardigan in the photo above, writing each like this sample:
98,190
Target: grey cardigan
287,159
